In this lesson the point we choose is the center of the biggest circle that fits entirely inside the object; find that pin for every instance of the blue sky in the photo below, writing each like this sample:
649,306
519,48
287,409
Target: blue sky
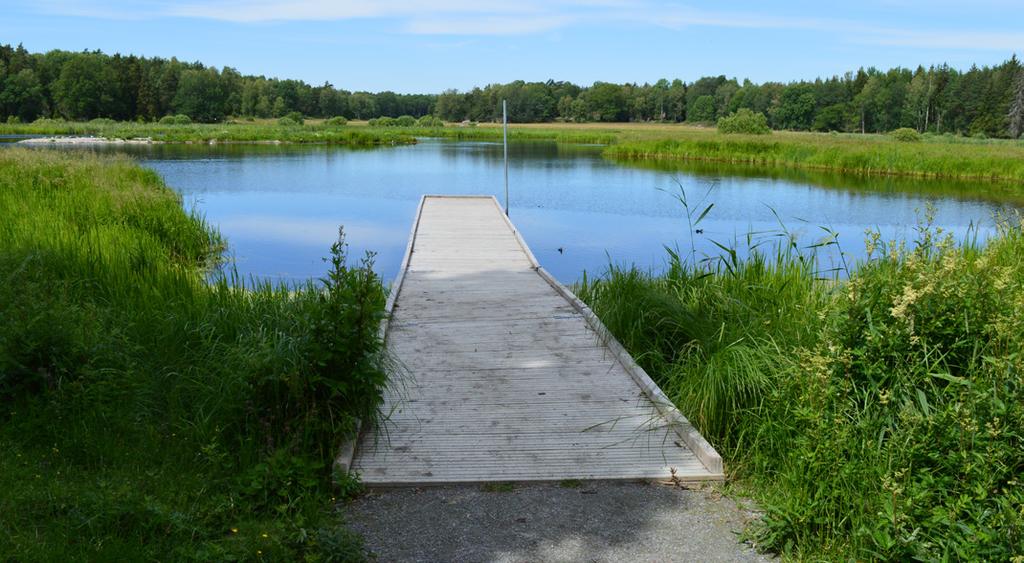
419,46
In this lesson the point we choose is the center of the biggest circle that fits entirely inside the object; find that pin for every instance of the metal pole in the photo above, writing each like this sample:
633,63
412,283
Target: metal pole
504,136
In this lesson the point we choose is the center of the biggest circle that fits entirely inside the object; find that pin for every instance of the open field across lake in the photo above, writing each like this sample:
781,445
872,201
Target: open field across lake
934,156
264,131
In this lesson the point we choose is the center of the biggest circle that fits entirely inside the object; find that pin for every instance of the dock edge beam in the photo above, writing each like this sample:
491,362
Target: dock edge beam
690,436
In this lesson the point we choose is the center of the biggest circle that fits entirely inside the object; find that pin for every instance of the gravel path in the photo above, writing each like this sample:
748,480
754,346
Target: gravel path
587,521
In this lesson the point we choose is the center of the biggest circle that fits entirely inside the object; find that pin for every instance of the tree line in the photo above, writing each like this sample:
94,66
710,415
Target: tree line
981,101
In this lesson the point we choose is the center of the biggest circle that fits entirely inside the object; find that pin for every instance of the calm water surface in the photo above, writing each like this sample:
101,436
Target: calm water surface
280,206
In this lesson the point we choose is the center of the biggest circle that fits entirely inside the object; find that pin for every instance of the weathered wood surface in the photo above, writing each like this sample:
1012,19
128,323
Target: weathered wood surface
506,376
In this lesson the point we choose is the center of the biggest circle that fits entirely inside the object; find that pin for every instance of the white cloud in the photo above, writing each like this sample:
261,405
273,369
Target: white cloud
278,10
498,17
488,25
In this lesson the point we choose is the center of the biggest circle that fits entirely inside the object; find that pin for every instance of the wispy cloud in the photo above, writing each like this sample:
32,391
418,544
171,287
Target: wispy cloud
489,25
278,10
497,17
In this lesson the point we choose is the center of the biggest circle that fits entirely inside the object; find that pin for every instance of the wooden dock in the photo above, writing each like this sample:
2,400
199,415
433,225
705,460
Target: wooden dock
506,375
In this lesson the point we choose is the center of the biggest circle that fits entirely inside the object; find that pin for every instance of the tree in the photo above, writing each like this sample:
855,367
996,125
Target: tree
201,95
702,110
675,101
450,106
918,100
836,117
605,102
22,95
796,107
1015,119
363,106
86,88
565,107
279,108
864,101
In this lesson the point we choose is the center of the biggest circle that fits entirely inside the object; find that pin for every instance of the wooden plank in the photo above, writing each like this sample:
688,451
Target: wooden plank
503,376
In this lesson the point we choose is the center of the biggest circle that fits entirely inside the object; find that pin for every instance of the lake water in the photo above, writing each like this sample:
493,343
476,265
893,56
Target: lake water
280,206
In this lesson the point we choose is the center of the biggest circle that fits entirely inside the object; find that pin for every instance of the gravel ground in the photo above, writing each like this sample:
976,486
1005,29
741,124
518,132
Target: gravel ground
586,521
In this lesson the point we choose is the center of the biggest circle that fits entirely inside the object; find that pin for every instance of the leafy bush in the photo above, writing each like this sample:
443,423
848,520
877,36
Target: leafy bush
336,121
906,135
287,122
874,418
296,117
430,121
167,120
744,121
13,120
403,121
182,119
382,122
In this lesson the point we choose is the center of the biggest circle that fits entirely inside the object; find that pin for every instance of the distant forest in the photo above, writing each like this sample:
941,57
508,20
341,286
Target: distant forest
982,101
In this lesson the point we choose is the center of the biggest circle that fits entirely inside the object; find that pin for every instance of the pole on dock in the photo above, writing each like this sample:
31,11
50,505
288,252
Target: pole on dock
504,136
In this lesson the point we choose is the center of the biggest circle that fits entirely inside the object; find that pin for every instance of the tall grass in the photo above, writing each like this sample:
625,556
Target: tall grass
148,414
234,132
877,417
937,156
858,154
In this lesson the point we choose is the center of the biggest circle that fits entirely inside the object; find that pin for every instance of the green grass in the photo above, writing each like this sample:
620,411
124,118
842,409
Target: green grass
874,418
146,414
234,132
871,155
936,156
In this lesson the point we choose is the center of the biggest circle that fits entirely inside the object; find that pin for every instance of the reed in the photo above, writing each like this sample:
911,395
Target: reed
868,155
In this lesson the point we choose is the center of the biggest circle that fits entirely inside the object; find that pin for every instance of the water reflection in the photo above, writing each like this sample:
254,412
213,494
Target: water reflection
279,206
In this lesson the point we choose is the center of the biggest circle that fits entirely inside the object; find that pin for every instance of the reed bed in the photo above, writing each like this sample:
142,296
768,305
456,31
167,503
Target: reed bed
869,155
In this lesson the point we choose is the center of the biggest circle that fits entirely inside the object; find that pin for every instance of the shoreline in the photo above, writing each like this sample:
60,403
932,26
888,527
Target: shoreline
85,140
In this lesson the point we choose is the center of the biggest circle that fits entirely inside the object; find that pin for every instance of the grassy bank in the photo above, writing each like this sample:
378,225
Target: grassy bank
235,132
874,418
865,155
146,414
955,158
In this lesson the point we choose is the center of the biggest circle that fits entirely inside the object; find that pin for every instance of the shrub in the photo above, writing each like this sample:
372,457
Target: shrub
878,417
102,122
182,119
744,121
405,121
906,135
296,117
382,122
287,122
336,121
167,120
13,120
430,121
